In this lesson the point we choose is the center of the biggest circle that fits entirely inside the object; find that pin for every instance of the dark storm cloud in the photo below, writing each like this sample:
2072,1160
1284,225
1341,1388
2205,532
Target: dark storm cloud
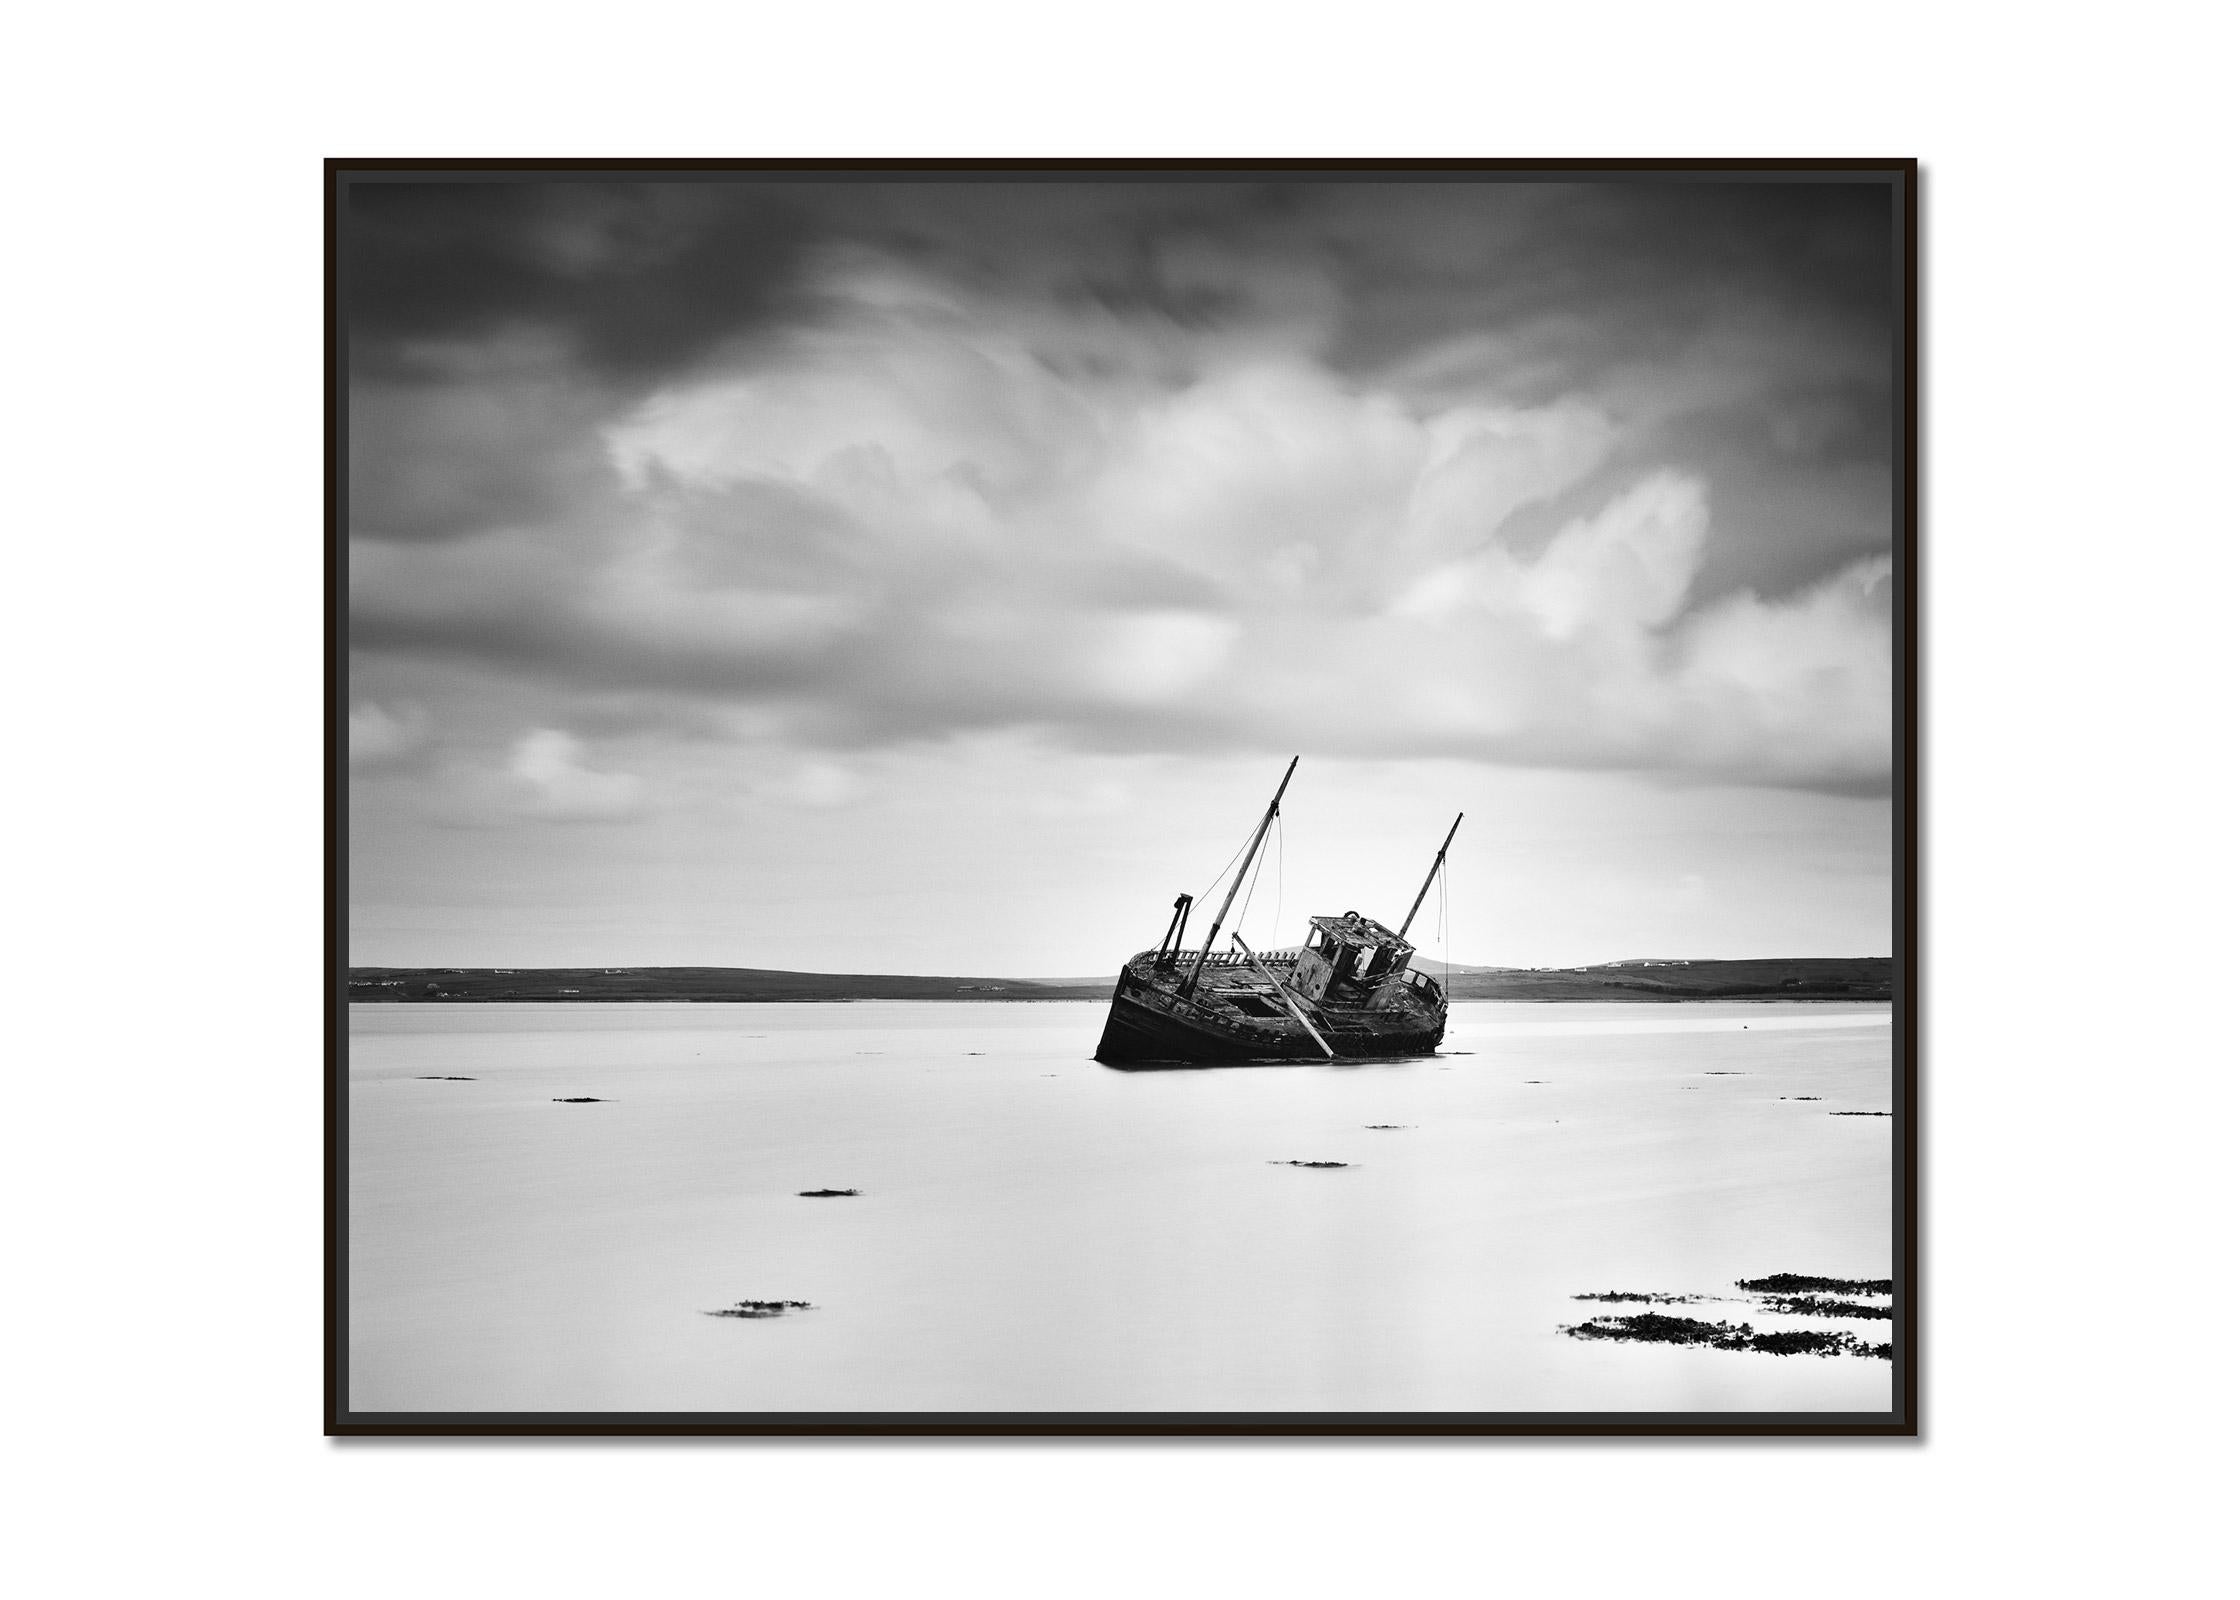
1626,274
643,278
434,458
639,278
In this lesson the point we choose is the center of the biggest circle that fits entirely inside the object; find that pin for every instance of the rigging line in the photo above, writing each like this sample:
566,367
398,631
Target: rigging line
1251,888
1275,935
1446,952
1207,892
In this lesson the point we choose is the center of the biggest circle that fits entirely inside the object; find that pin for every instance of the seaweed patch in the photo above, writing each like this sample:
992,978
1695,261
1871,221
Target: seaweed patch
1800,1283
1806,1305
1619,1295
1310,1163
829,1194
1858,1113
1650,1327
762,1308
577,1100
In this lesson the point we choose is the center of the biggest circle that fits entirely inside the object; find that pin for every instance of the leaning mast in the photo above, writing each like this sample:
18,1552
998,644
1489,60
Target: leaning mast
1437,862
1190,984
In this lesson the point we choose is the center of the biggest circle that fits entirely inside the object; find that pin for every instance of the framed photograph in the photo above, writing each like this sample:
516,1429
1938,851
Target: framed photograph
1176,798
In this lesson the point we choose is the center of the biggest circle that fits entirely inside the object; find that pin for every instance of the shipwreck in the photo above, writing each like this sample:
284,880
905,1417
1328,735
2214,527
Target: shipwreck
1348,992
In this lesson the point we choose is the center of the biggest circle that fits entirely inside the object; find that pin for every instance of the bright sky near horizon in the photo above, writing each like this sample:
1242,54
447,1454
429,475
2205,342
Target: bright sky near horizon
935,577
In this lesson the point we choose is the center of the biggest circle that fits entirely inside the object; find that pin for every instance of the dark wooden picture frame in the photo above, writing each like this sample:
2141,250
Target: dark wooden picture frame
1902,1418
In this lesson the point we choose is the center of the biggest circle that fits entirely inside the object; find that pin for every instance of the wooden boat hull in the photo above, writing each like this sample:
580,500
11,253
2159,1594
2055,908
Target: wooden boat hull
1150,1023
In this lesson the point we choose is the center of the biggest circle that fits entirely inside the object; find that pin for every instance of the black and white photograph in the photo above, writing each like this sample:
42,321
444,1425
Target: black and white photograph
1081,798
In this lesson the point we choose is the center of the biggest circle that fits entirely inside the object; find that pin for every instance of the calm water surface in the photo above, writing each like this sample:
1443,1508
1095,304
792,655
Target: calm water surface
1038,1232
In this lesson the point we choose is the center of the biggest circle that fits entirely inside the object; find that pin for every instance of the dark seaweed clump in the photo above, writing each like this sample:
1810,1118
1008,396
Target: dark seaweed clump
1614,1296
1650,1327
1310,1163
1816,1344
1800,1097
1385,1127
443,1077
577,1100
1806,1305
830,1194
763,1308
1799,1283
1858,1113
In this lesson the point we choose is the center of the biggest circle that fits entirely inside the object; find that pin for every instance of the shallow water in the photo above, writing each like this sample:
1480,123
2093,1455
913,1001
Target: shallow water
1040,1233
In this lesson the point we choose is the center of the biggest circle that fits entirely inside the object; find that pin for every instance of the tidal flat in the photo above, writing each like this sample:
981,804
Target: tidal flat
1035,1232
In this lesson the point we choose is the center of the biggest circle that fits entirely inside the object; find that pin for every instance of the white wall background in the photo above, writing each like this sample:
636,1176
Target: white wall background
162,642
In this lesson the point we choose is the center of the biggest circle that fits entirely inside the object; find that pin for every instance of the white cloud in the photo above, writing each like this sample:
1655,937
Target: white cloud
380,735
817,785
550,781
1792,689
1152,657
1627,567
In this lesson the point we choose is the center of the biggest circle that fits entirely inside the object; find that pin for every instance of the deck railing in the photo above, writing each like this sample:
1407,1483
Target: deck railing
1278,960
1236,958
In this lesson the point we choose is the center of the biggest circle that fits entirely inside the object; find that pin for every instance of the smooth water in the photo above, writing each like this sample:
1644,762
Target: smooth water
1040,1233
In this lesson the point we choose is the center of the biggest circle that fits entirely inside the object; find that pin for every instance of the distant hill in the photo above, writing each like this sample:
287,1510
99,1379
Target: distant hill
1865,978
688,983
1797,978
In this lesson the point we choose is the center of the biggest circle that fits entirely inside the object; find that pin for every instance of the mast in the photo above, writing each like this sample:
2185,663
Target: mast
1236,883
1437,861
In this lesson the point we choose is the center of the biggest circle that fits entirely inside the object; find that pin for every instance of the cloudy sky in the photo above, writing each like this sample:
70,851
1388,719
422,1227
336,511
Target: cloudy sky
937,576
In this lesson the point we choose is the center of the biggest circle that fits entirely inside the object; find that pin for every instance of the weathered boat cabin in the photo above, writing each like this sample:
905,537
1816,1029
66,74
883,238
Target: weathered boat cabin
1352,960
